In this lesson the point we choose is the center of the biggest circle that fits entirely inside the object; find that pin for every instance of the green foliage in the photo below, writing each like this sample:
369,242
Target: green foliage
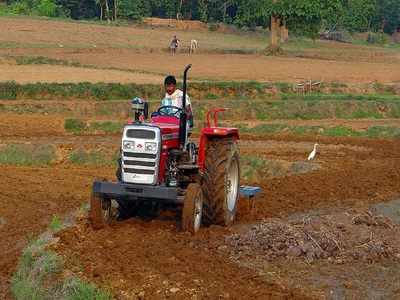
304,17
35,265
337,131
21,8
133,10
92,158
383,132
27,155
359,14
76,289
74,125
55,224
251,166
39,274
107,126
8,90
47,8
387,16
377,38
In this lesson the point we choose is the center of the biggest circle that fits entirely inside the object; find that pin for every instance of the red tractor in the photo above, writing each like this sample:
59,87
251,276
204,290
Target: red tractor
160,167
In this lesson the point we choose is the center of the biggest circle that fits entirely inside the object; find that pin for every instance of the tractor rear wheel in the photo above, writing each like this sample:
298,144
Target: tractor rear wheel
102,211
221,181
192,208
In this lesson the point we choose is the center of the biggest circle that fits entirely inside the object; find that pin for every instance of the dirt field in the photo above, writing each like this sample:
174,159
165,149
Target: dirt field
346,200
353,173
144,49
226,67
63,74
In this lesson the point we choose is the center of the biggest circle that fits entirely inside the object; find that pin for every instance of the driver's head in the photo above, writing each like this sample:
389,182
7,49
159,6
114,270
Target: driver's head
170,84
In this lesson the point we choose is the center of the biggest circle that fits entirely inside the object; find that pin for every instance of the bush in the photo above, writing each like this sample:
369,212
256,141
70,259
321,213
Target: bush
20,8
47,8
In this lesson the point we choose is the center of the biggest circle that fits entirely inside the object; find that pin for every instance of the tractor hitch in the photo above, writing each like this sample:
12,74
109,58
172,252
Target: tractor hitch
114,190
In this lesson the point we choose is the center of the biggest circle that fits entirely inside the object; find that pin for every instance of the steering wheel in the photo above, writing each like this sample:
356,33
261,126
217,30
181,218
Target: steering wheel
170,110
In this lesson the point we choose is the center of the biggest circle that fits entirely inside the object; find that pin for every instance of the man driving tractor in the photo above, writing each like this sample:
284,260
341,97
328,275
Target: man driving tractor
173,97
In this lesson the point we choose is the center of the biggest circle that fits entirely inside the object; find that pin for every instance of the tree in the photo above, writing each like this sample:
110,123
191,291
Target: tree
133,9
359,15
387,16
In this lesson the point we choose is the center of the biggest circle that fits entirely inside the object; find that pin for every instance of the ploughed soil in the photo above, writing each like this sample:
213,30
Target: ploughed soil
150,256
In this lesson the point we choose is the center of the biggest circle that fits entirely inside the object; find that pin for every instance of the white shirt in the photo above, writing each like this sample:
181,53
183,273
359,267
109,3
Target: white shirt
175,99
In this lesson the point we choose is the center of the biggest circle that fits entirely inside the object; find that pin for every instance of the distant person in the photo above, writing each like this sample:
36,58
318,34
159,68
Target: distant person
173,46
174,97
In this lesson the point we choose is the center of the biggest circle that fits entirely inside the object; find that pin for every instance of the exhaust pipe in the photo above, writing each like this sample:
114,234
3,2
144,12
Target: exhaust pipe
183,120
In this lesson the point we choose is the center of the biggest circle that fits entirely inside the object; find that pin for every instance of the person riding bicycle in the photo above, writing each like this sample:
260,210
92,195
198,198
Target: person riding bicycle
174,97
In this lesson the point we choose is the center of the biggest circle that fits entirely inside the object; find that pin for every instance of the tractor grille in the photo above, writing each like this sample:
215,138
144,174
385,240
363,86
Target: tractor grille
141,134
140,155
140,165
139,171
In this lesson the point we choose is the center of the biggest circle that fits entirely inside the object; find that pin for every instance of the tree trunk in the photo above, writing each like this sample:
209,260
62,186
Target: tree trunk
115,9
101,11
179,13
284,32
274,32
224,16
108,12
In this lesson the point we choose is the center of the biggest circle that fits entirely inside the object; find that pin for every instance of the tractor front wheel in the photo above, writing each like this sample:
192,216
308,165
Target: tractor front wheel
192,208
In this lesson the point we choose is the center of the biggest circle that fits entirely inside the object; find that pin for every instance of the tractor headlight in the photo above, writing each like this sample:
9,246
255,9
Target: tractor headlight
151,147
128,145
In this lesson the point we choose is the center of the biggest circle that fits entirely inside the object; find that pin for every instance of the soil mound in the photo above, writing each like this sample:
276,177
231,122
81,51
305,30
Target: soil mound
340,237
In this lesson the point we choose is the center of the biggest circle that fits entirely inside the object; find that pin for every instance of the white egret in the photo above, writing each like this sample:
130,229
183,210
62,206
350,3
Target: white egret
313,153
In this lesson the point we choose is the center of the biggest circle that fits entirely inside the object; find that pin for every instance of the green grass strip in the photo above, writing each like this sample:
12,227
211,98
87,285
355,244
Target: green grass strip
11,90
336,131
27,155
38,275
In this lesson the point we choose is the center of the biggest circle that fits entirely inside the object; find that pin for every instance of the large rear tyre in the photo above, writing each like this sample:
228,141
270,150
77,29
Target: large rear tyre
192,208
221,182
102,211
